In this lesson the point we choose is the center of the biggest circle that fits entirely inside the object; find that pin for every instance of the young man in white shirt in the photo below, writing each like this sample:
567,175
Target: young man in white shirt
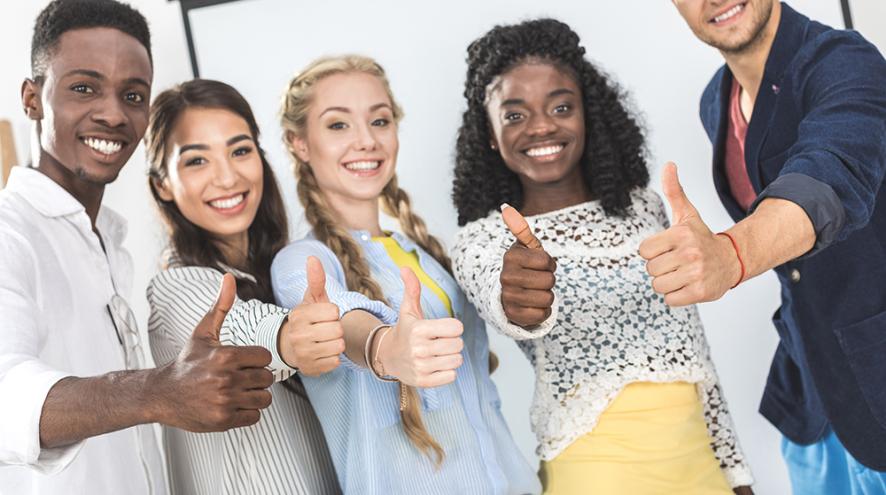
69,350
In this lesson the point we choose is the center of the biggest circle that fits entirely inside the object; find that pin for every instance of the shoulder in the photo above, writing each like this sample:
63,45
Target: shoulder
294,256
709,106
182,282
838,52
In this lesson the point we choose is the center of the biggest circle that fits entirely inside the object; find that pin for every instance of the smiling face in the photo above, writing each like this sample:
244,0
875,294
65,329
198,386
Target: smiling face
214,173
92,106
537,119
350,138
731,26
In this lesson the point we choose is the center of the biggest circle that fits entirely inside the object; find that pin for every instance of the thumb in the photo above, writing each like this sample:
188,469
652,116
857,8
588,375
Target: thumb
411,304
209,327
680,205
316,291
519,227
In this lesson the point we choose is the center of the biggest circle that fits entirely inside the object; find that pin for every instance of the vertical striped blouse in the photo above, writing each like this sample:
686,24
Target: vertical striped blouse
360,415
285,452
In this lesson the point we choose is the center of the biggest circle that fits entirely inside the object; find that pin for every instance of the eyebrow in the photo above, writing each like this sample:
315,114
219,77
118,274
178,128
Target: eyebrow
203,147
99,76
347,110
552,94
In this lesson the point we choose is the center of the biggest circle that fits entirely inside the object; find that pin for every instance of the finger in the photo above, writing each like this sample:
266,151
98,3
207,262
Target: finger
663,264
210,326
316,291
680,205
254,378
321,350
669,282
446,346
519,227
245,417
682,297
443,328
528,279
249,356
411,304
444,363
657,244
527,316
529,298
535,259
253,399
331,331
320,366
438,378
314,313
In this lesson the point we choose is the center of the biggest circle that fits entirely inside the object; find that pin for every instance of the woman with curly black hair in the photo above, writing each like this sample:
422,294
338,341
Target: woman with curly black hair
627,399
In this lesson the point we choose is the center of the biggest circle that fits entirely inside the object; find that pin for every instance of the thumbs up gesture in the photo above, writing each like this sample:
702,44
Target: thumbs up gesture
420,352
527,274
688,262
312,338
212,387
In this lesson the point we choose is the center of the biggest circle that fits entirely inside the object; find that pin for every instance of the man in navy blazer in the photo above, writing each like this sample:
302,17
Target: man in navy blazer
797,117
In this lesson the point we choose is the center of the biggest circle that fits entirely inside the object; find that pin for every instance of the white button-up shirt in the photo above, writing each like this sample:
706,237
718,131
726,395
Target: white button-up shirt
55,284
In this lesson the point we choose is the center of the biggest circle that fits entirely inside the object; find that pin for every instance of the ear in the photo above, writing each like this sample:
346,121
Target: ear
162,188
32,103
299,146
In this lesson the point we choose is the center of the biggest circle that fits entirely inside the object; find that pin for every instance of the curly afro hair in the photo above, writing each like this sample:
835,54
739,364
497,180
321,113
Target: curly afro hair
614,159
61,16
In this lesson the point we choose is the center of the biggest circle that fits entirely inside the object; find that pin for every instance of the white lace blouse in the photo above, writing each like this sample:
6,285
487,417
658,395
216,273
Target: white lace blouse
608,327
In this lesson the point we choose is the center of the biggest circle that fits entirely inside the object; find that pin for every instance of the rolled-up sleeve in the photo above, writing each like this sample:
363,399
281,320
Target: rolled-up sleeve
836,167
25,380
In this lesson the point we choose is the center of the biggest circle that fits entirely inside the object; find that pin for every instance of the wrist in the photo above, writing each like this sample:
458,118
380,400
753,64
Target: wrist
152,404
738,273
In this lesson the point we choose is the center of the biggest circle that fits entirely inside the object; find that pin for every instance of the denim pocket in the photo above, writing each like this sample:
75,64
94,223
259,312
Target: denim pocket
864,344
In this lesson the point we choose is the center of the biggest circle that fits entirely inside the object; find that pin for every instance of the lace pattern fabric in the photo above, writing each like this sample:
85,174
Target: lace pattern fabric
608,328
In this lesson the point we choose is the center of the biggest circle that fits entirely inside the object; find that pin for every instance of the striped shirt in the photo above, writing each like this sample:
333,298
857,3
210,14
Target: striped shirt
360,415
285,452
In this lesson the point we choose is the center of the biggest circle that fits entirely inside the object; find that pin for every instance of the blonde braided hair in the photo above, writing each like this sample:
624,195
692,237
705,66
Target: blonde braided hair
327,227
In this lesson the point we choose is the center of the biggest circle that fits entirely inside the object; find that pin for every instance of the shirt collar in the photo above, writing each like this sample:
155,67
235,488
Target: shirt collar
53,201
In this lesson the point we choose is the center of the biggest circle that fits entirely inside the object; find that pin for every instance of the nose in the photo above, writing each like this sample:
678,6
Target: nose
541,124
366,140
109,112
224,174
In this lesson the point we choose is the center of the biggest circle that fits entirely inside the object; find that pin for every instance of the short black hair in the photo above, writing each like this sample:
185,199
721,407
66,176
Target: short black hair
61,16
614,160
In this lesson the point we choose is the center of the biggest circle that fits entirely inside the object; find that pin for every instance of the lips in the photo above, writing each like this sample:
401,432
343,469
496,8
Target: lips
363,165
728,13
107,147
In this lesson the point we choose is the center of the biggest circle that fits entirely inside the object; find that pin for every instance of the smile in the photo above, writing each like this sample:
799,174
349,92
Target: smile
228,203
545,151
729,14
103,146
363,165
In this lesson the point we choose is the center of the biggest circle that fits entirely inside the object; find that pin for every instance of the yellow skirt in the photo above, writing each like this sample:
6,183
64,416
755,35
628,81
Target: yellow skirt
651,440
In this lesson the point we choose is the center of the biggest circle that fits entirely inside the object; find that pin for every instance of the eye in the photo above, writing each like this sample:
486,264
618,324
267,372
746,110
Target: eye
337,126
197,160
82,88
513,117
565,107
382,122
242,151
134,97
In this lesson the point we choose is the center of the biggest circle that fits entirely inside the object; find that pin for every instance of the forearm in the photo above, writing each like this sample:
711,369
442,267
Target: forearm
356,325
775,233
79,408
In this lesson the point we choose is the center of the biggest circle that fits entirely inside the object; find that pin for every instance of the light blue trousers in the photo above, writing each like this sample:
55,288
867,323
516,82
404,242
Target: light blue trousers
827,468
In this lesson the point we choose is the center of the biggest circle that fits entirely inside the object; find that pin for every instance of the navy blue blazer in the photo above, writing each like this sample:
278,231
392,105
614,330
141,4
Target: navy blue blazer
817,137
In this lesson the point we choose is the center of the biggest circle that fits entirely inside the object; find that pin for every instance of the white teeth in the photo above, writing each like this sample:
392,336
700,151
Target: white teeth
545,151
365,165
102,146
729,13
224,204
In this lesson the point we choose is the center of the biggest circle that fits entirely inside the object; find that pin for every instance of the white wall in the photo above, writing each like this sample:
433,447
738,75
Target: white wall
256,45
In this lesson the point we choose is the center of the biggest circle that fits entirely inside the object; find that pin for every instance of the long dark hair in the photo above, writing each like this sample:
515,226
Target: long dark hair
614,160
192,245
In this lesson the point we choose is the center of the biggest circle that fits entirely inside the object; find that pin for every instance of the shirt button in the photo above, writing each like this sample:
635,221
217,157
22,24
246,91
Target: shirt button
364,237
795,275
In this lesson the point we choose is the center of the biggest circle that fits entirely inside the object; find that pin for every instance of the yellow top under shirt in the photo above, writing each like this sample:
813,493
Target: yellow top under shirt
410,260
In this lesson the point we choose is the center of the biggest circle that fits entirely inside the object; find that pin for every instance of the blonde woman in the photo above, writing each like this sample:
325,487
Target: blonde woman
412,408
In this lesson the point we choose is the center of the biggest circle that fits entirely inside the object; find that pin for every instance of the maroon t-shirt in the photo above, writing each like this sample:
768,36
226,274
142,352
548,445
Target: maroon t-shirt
736,170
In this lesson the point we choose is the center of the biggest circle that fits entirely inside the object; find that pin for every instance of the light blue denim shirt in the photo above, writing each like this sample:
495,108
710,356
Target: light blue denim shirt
360,415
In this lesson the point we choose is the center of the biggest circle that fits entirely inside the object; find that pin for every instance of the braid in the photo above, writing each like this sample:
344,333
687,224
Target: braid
396,202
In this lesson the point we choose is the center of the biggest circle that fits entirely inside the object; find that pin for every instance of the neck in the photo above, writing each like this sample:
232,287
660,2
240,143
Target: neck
234,249
542,198
357,214
89,194
748,65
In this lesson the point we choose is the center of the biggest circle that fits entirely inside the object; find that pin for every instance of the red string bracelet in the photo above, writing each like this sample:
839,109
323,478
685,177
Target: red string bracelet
737,255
